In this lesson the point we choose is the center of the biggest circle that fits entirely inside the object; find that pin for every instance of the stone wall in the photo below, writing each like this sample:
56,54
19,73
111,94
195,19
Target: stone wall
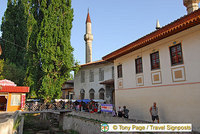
7,122
89,123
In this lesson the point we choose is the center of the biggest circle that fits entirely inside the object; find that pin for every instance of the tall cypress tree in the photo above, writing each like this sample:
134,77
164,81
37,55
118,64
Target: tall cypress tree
14,39
36,35
50,67
55,48
14,33
33,71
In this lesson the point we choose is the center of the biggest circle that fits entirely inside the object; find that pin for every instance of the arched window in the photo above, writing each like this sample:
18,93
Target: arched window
91,94
82,94
101,93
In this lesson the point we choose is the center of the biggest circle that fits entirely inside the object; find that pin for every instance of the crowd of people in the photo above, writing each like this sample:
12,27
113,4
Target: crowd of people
94,107
90,106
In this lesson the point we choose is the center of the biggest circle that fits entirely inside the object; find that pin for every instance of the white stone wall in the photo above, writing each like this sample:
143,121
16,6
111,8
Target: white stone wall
87,85
177,101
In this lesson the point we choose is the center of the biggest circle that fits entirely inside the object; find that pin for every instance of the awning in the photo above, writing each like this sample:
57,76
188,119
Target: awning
108,82
84,100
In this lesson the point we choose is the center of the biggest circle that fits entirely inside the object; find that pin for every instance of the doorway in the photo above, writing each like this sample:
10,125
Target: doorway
3,103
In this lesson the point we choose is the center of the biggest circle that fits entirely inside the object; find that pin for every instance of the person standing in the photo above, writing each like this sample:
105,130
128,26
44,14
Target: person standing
154,112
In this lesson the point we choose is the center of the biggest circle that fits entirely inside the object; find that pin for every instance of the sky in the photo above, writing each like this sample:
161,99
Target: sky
116,23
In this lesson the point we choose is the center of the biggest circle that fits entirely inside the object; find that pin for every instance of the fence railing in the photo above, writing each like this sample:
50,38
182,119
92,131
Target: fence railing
43,106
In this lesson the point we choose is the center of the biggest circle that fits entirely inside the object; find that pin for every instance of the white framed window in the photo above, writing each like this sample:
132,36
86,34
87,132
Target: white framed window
15,100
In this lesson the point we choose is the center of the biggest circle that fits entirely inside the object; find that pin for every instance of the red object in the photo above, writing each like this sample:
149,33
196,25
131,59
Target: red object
88,18
13,89
23,99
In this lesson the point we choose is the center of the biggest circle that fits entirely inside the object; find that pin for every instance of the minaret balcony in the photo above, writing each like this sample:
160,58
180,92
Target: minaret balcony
88,37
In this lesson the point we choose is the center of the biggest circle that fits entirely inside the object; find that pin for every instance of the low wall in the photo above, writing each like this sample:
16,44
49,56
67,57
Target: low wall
6,126
89,123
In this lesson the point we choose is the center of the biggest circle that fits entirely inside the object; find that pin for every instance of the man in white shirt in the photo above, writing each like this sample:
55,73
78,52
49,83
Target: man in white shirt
154,112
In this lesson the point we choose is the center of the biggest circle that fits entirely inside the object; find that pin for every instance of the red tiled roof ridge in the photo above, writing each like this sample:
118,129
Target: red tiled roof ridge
174,27
94,62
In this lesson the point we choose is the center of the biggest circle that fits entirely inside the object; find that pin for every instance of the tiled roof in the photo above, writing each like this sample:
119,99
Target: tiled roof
13,89
177,26
94,63
88,18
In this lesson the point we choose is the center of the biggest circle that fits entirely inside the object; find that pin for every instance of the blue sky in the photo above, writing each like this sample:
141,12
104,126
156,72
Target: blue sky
116,23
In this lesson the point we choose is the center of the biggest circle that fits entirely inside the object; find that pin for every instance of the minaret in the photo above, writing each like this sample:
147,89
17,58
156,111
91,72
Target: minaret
191,5
88,37
157,25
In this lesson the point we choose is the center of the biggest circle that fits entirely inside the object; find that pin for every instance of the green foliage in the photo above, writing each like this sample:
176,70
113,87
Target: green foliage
36,42
1,69
13,41
17,123
49,26
14,33
14,73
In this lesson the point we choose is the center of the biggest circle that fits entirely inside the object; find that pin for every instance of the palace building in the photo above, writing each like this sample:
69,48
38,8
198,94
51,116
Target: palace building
162,67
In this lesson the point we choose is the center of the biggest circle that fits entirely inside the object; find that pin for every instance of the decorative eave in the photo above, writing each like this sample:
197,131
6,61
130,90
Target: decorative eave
175,27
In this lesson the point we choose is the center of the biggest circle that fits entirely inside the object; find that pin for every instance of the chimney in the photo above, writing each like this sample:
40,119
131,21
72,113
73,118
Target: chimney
191,5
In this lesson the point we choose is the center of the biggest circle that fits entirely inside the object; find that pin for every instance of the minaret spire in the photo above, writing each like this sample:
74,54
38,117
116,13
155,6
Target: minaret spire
157,25
88,37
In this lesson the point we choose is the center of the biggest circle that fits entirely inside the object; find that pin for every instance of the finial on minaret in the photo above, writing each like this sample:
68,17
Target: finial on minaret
88,17
157,25
191,5
88,37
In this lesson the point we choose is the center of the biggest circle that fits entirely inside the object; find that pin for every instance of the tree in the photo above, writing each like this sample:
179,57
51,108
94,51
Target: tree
53,61
14,33
13,41
36,37
1,69
14,73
